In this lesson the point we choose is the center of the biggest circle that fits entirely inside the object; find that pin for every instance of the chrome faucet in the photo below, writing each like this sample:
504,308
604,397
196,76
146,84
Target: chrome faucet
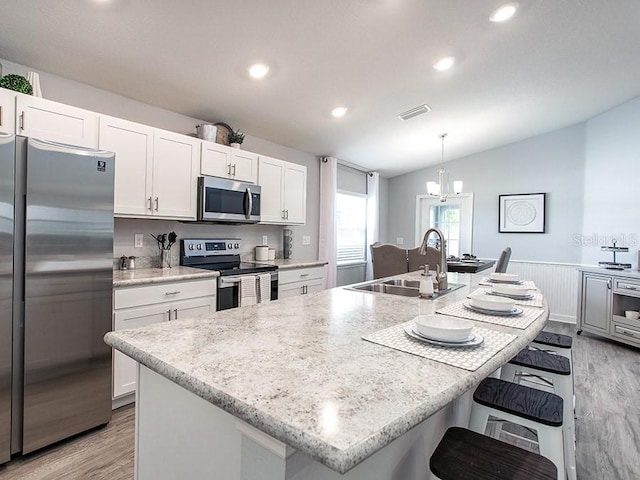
442,276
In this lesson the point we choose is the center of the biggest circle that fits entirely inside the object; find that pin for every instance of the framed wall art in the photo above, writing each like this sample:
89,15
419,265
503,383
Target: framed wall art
523,213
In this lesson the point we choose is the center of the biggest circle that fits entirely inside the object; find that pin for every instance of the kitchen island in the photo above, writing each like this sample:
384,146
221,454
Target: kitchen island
289,389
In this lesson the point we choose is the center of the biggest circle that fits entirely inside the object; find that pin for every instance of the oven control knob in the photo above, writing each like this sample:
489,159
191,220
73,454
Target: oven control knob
191,246
199,246
236,245
229,246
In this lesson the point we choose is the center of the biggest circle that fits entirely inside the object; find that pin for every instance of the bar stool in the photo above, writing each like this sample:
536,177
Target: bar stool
466,455
536,409
557,369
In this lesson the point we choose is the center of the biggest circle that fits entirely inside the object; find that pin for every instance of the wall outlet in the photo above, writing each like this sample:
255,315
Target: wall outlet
400,241
138,240
306,240
265,240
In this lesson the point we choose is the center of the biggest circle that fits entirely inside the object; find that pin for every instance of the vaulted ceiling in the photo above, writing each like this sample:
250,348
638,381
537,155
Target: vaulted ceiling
554,64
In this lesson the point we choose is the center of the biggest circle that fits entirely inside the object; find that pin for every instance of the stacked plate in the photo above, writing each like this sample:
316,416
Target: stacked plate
493,305
516,292
505,278
444,330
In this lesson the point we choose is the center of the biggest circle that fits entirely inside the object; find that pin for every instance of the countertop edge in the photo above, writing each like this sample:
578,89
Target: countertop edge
340,461
285,264
627,273
161,277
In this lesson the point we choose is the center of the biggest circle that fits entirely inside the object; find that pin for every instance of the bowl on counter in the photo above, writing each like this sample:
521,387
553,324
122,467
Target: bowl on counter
504,277
497,304
443,327
509,289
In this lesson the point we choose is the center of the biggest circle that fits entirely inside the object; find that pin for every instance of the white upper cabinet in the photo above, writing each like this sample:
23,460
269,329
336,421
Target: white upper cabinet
7,111
156,171
48,120
133,146
175,175
284,191
221,161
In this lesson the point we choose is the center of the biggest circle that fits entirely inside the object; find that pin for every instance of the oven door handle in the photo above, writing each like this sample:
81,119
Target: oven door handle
226,282
248,203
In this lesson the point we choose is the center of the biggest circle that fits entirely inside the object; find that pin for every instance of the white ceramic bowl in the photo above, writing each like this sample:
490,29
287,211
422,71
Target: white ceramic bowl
498,304
508,289
505,277
443,327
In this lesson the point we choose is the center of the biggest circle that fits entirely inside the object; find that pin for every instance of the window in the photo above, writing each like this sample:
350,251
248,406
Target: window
351,231
454,218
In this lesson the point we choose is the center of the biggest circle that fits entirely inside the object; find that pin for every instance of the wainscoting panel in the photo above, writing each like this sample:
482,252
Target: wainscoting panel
350,274
558,282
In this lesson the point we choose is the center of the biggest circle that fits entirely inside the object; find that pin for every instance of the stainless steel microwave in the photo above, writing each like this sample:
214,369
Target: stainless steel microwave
222,200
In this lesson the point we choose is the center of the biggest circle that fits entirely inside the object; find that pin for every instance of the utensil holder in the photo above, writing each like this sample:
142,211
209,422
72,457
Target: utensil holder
165,259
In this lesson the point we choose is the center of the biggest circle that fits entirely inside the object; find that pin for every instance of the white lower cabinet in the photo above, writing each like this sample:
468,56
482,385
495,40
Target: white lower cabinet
149,304
300,281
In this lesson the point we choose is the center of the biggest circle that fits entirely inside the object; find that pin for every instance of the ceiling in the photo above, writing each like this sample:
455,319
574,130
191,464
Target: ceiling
556,63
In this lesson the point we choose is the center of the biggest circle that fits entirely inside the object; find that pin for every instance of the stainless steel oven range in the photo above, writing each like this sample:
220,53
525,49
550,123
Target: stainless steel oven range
223,255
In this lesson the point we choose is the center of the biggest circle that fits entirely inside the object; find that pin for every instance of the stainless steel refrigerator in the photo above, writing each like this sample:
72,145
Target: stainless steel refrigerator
56,263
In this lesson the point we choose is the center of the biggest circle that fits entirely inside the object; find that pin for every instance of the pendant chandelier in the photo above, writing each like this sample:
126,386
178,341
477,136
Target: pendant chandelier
441,188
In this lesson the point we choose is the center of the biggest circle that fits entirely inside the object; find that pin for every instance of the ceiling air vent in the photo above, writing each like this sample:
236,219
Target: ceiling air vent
414,112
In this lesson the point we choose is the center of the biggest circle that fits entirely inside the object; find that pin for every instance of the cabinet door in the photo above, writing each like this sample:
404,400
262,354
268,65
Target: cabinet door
244,166
175,172
124,368
47,120
316,285
271,179
215,160
596,302
290,290
7,111
295,194
133,146
193,308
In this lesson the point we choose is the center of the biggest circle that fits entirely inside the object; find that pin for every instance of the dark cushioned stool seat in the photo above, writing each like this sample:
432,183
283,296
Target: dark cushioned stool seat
530,403
554,339
543,361
466,455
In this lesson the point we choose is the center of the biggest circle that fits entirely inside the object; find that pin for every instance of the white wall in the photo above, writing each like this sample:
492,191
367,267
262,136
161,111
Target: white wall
84,96
552,163
612,184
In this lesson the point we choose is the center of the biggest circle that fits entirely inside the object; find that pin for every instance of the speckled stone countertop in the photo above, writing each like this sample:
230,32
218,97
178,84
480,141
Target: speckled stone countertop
147,276
614,273
298,369
290,263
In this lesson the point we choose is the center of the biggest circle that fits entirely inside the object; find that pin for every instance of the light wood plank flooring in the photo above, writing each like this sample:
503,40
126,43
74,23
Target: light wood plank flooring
607,378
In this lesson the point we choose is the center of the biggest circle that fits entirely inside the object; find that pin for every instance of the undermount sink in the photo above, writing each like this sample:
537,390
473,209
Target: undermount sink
402,287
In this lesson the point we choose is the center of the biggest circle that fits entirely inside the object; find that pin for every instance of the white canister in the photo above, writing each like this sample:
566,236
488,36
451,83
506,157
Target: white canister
272,254
262,253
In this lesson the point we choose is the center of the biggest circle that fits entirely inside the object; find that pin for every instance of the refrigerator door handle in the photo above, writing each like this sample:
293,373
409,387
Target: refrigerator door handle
64,148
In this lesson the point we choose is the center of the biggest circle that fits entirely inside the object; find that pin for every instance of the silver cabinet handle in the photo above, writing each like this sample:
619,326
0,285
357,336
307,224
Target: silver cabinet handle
283,214
172,293
23,120
609,284
1,116
229,169
169,312
304,274
157,204
287,214
234,170
150,204
175,313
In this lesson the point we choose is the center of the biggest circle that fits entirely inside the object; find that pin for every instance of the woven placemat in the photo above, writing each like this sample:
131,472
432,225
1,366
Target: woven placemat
528,316
486,282
469,358
536,301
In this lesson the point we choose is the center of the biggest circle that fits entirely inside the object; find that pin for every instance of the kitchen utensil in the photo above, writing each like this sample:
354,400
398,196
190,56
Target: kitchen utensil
172,239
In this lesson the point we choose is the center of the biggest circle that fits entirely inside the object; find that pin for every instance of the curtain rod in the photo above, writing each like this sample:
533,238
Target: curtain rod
353,166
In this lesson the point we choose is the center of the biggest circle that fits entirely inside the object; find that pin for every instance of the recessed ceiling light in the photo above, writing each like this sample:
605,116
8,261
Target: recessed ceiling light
444,63
258,70
503,13
339,111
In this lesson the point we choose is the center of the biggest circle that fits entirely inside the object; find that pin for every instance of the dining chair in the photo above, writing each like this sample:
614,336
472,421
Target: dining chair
388,260
431,258
503,261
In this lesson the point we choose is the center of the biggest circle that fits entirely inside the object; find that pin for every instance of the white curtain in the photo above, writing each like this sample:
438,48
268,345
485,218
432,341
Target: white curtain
373,216
328,192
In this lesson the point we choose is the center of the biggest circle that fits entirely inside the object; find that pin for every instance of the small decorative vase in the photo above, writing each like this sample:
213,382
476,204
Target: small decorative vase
234,145
34,80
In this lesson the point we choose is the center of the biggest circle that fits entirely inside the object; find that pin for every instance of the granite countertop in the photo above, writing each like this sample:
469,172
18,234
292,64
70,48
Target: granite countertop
629,273
147,276
290,263
298,369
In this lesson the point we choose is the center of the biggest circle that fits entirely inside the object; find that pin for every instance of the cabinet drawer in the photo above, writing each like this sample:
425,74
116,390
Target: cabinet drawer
626,287
626,333
300,275
126,297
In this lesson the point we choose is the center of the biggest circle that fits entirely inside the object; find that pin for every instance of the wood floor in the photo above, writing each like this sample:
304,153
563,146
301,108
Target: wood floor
607,379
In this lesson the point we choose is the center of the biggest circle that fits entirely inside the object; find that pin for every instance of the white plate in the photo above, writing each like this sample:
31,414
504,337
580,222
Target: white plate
510,289
529,296
504,277
516,310
474,341
510,282
443,327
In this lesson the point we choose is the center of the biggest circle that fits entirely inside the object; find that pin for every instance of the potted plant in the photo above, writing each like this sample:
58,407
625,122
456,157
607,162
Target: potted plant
17,83
236,137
